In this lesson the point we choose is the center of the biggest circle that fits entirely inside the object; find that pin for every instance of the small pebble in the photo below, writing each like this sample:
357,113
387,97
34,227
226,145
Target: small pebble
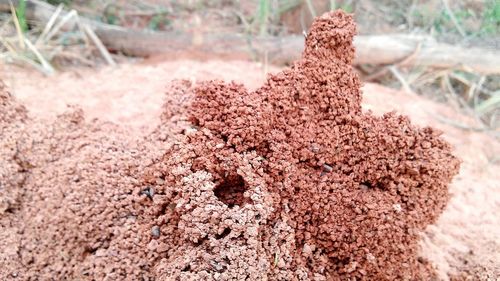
155,231
327,168
148,191
397,208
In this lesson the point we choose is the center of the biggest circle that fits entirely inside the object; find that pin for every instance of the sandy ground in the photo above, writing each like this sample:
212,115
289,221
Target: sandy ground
466,239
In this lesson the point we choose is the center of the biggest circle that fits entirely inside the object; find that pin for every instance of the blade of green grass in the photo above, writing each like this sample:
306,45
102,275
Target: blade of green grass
21,15
263,16
333,5
18,26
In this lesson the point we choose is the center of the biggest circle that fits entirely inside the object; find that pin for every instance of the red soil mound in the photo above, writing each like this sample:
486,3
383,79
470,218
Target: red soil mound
288,182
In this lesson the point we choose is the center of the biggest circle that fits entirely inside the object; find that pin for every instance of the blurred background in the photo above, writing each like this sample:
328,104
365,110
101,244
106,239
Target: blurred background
445,50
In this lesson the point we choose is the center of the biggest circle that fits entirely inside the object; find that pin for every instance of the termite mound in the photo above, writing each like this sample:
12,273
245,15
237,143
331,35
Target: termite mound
345,192
292,181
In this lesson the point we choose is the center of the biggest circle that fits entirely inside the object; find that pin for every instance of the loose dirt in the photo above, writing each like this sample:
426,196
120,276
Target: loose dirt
290,181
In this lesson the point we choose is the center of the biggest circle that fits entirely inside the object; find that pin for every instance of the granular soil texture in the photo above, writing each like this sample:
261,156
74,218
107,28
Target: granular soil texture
288,182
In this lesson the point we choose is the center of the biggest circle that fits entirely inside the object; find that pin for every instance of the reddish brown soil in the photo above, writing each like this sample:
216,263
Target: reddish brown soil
218,200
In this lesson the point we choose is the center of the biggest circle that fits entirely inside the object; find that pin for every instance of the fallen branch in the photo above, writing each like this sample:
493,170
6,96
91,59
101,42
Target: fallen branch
376,49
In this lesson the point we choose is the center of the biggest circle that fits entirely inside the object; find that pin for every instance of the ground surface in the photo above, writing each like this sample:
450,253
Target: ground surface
464,241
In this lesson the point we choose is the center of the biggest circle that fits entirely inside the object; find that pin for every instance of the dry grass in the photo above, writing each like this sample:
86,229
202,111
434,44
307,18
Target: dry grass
44,46
467,23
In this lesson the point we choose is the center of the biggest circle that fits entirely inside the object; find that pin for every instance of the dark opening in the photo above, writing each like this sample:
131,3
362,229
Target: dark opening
223,234
200,241
340,262
195,122
366,185
230,191
378,184
89,250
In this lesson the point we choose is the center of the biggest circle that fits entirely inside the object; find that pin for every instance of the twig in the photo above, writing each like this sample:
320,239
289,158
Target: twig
63,21
449,92
32,63
474,88
49,24
46,65
70,55
276,258
452,91
243,20
400,78
104,52
7,45
452,95
453,18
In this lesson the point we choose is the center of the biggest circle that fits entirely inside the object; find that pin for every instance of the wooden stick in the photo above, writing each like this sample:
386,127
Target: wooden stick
49,25
374,49
45,64
104,52
406,87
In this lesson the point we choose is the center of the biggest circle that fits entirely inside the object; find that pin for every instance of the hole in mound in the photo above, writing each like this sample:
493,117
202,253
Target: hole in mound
195,121
200,241
230,191
366,185
89,250
223,234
